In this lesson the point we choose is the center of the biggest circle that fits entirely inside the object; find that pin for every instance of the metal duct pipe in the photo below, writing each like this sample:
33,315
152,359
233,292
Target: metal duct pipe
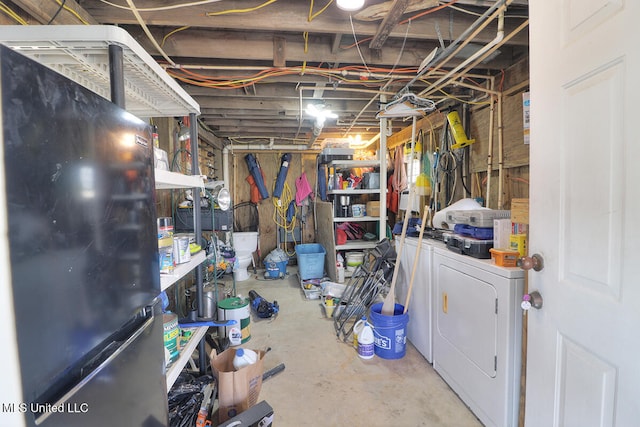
462,40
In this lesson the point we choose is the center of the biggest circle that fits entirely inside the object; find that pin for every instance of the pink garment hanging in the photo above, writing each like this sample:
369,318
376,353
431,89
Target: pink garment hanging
399,174
398,181
303,189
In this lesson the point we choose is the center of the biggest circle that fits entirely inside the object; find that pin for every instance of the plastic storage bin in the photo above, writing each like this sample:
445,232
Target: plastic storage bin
310,258
485,233
476,248
477,217
504,257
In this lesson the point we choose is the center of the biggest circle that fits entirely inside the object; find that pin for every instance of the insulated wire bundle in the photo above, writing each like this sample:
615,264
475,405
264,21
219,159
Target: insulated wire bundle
280,207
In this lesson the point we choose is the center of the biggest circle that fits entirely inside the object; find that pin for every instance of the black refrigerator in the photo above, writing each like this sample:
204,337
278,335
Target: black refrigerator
83,252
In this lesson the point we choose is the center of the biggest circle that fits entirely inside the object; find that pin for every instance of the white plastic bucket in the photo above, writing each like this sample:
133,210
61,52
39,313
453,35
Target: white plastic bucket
358,210
354,259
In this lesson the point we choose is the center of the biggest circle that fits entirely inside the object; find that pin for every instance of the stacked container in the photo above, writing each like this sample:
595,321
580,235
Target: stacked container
473,231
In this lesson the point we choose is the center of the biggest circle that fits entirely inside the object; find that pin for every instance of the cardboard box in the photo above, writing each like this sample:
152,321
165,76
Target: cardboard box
373,208
237,390
501,233
518,243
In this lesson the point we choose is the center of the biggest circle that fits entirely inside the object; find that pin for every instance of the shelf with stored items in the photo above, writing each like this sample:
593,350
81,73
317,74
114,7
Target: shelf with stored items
121,354
166,180
351,186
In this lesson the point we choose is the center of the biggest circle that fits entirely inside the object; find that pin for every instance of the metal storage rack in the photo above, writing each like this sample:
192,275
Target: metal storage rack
108,61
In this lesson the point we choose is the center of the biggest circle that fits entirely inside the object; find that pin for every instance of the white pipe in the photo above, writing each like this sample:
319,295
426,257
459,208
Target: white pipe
478,53
225,167
500,149
382,155
490,148
270,147
449,52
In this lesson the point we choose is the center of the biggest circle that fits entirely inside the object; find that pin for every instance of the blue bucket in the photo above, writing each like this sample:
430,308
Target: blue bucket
389,332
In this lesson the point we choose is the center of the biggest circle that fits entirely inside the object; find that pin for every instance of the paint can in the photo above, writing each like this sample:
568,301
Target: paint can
171,335
209,300
354,259
181,252
237,309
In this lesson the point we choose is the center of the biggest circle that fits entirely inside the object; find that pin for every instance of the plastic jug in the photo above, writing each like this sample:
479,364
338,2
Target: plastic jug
244,357
340,268
357,328
365,342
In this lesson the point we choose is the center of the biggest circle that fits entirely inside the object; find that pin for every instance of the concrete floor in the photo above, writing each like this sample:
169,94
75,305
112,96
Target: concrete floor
325,383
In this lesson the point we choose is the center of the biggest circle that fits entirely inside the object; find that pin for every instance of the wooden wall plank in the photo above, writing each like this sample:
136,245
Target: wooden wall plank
326,237
268,216
515,152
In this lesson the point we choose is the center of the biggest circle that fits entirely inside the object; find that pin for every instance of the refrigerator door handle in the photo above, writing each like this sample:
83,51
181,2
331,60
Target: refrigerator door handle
40,417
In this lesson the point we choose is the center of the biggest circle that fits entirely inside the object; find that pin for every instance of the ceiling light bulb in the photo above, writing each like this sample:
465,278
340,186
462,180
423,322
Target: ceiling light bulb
350,5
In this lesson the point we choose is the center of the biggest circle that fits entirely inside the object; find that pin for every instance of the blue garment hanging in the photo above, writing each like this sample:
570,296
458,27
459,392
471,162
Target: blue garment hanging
322,183
282,175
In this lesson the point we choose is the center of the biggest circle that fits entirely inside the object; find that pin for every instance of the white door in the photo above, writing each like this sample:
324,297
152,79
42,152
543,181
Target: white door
584,343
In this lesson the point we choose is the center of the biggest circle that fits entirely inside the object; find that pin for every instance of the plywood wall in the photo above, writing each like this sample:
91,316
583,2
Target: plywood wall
269,217
515,153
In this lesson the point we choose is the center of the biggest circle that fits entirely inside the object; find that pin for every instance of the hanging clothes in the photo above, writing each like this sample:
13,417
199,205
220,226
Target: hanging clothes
258,175
322,183
282,175
397,181
254,192
303,189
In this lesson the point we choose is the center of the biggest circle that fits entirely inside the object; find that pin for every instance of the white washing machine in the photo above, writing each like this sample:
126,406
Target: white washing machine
478,333
419,329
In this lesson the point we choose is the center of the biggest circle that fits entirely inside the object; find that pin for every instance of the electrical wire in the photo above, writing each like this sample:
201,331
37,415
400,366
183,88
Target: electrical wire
8,11
334,74
68,9
312,15
164,39
404,41
280,215
353,31
55,15
249,9
428,11
159,8
148,32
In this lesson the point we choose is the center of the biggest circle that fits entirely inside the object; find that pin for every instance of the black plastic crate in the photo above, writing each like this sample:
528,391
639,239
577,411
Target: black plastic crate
223,219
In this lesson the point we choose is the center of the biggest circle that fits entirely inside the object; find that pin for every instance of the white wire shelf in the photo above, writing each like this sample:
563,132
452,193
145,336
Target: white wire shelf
166,180
181,270
173,371
356,244
81,53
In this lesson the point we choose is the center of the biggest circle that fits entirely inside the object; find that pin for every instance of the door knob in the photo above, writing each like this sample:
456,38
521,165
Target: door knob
533,299
534,262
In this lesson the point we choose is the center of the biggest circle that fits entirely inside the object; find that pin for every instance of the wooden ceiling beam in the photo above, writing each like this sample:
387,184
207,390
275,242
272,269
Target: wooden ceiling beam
389,22
44,10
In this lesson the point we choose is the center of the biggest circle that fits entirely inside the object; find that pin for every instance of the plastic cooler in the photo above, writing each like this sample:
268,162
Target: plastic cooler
310,258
